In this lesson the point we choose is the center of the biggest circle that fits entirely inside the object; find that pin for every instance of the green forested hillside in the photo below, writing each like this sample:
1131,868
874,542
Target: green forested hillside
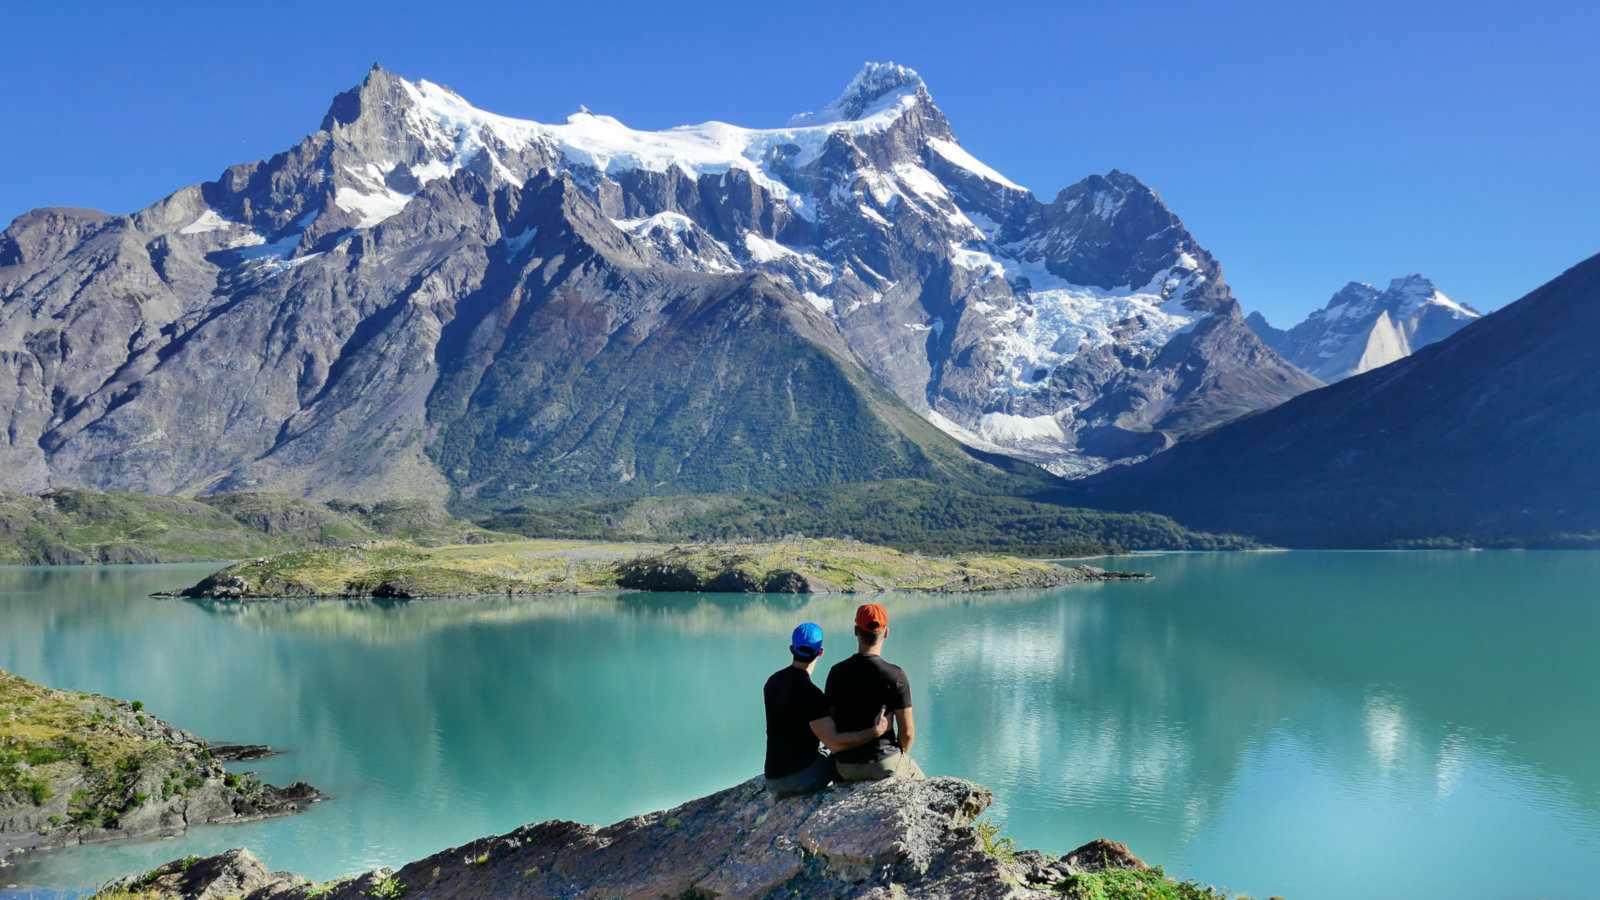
906,514
75,526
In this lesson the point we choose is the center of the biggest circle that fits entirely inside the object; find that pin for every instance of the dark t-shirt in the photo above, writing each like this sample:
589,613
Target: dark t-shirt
793,703
857,688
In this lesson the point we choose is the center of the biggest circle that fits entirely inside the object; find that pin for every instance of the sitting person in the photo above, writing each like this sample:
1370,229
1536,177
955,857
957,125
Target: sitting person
798,720
859,689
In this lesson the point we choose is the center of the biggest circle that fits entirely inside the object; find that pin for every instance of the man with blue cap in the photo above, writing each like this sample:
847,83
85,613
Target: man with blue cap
798,721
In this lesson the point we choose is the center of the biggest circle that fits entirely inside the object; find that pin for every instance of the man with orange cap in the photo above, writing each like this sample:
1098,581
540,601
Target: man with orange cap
859,690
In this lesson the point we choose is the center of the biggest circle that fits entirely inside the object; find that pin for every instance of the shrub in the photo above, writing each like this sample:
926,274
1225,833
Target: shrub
994,844
387,888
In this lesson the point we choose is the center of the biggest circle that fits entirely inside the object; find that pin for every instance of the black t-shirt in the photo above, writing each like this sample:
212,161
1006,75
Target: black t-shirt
793,703
857,688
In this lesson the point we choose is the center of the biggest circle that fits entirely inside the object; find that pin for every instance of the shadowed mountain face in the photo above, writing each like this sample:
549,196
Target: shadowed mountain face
424,298
1487,436
1363,328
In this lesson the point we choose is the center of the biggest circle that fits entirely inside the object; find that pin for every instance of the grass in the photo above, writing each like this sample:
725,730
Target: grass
1134,884
50,737
552,566
79,526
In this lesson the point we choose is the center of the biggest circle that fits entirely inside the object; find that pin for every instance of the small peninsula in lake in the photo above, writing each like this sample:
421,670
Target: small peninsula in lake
78,768
401,570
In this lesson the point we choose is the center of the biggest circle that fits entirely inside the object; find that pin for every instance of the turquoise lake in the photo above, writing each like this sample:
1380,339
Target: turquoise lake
1304,724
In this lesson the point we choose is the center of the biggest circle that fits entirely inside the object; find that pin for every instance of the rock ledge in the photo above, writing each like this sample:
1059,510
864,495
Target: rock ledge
897,838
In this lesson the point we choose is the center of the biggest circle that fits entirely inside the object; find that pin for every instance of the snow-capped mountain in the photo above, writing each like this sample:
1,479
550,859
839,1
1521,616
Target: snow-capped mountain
425,292
1363,328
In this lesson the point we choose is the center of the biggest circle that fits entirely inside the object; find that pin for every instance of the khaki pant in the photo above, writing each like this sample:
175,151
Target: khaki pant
895,764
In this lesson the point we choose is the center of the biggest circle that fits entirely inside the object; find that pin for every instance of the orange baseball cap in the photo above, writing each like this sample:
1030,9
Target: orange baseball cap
871,617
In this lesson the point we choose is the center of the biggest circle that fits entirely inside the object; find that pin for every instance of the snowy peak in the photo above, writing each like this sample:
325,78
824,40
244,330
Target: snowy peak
879,86
1362,328
1412,293
1404,298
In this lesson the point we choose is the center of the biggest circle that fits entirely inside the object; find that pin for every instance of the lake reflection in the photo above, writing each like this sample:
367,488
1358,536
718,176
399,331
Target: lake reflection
1311,724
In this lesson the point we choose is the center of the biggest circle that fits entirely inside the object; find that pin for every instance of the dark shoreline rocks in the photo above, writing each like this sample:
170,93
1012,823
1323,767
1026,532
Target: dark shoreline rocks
889,839
78,768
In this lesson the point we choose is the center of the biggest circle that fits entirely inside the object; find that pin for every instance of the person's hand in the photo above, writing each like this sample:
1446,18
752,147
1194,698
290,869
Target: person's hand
882,724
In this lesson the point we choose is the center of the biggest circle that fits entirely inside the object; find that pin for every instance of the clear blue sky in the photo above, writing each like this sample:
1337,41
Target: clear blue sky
1305,148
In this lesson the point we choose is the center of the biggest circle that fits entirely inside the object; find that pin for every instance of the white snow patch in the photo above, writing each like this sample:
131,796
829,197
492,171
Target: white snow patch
372,208
1008,428
958,156
276,250
823,304
977,260
764,249
1107,204
872,214
431,170
675,222
456,132
208,221
922,182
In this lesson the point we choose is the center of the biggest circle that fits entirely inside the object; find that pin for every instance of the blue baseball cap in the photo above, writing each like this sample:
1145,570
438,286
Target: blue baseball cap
806,640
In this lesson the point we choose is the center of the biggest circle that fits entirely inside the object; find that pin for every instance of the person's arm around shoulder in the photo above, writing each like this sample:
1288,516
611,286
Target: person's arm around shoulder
835,740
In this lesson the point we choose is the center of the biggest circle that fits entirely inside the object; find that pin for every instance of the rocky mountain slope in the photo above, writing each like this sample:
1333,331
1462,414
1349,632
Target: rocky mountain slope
1363,328
426,299
82,768
1487,437
895,838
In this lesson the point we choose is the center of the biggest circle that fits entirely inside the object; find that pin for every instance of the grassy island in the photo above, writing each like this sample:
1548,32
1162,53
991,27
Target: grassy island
398,569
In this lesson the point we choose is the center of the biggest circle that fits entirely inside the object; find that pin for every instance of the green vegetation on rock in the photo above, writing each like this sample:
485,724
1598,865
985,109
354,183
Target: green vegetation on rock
76,766
1134,884
76,526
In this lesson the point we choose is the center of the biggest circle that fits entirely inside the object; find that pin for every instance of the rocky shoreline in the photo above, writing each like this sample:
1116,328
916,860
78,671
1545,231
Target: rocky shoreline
79,768
882,840
396,570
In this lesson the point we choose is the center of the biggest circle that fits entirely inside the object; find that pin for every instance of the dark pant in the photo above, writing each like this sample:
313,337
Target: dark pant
812,778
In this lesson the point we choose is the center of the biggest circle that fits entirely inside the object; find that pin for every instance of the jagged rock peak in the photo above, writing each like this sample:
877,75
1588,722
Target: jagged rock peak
877,85
379,87
1115,184
1353,292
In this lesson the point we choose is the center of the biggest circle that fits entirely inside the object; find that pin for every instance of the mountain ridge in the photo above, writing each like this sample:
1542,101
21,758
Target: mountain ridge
1485,438
302,319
